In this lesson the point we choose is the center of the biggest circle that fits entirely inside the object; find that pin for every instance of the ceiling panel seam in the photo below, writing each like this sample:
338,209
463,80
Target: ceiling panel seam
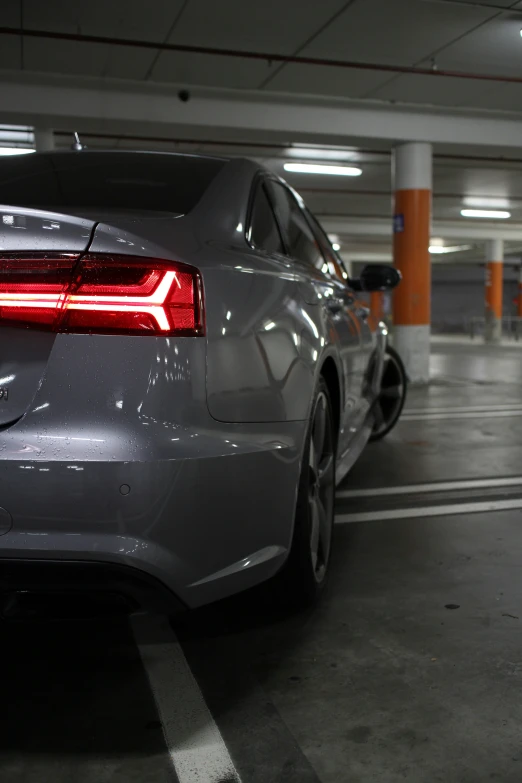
435,52
308,41
22,53
477,4
173,26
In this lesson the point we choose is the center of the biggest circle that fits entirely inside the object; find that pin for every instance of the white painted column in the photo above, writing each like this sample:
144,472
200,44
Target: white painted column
412,181
44,139
494,290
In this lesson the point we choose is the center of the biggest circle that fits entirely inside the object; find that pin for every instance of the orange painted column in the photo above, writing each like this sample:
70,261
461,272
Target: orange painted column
493,291
412,173
377,305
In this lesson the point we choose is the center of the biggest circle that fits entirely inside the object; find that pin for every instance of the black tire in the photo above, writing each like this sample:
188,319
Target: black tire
304,575
392,395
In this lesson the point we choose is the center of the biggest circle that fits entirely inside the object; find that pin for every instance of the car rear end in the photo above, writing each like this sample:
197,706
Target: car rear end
113,474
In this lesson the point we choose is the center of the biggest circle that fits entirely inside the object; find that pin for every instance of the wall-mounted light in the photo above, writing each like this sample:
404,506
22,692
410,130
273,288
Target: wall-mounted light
319,168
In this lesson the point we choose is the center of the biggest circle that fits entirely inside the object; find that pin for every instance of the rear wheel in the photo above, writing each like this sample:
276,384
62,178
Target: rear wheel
304,575
392,395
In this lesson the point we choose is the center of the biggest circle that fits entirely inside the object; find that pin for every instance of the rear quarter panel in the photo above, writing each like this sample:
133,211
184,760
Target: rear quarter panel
257,344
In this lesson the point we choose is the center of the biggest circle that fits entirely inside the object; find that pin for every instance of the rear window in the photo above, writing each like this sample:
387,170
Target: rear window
127,181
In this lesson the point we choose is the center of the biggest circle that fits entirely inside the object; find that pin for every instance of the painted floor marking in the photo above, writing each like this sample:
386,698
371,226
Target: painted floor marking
195,745
435,486
457,408
429,511
465,414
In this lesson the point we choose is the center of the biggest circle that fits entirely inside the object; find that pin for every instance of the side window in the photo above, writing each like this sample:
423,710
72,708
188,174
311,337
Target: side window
299,238
263,231
335,263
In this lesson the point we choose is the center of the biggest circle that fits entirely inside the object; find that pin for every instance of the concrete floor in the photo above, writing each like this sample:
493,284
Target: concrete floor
409,670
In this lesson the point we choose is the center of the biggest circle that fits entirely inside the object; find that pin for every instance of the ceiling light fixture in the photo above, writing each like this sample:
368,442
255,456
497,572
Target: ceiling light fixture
440,249
336,246
485,213
479,202
14,150
321,152
318,168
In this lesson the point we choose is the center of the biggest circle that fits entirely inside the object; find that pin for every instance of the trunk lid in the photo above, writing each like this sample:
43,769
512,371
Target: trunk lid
24,352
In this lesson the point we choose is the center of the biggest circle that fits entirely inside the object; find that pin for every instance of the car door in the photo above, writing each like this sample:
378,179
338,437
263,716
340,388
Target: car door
322,290
357,311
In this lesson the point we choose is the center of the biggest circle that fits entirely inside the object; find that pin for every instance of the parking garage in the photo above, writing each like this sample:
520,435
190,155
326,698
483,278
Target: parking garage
398,123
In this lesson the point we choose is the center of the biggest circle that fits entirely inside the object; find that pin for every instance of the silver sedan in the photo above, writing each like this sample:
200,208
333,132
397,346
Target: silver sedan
186,373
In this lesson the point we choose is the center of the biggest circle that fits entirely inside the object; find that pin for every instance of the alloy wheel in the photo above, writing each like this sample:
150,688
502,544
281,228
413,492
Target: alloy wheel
321,486
391,396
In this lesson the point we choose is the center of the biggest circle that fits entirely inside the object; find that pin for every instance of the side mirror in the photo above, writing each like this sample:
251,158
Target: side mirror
377,277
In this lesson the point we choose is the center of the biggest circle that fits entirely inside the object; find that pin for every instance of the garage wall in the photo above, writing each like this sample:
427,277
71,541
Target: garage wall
458,294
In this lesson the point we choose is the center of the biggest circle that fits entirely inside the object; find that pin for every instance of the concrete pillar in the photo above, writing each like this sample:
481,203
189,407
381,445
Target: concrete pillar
43,139
493,292
377,305
412,177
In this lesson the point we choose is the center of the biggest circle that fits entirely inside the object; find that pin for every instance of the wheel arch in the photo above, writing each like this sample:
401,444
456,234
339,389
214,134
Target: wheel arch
332,379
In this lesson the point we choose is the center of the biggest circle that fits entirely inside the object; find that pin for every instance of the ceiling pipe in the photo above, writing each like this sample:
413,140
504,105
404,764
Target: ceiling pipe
270,57
353,226
388,194
206,142
275,146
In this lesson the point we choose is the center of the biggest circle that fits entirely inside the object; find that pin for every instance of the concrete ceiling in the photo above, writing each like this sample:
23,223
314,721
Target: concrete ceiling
474,37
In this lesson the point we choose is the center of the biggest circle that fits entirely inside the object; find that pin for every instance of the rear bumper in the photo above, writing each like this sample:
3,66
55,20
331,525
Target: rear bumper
133,588
201,527
119,463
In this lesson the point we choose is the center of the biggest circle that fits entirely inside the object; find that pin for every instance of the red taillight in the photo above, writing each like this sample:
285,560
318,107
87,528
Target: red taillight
33,289
103,294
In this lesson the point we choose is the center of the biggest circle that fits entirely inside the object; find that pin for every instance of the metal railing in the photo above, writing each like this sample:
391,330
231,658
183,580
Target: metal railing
511,326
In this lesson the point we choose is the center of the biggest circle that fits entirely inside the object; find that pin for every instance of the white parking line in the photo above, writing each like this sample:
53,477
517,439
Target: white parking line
464,414
457,408
429,511
195,745
435,486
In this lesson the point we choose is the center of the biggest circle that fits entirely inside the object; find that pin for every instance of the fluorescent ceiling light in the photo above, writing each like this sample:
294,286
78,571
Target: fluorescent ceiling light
14,151
485,213
320,152
486,203
440,249
336,246
318,168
